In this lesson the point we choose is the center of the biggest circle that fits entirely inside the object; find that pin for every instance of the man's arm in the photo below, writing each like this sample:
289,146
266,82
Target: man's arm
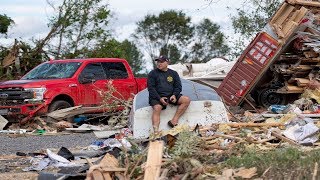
153,94
177,87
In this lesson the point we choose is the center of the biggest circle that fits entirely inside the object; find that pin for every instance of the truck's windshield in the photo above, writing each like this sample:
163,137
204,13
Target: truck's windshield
53,71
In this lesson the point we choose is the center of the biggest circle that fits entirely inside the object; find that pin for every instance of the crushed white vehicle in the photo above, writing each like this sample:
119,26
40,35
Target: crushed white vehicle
205,108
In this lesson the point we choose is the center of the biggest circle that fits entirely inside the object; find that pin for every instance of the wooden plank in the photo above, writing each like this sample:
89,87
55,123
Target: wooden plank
307,3
103,169
293,88
284,15
223,136
303,115
154,159
97,175
302,82
281,91
113,169
108,161
315,60
291,24
279,12
304,67
278,135
302,12
251,124
290,21
72,111
289,27
279,23
278,30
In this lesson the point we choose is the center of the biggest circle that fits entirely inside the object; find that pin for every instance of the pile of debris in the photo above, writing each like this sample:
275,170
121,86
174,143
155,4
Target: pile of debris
183,152
210,73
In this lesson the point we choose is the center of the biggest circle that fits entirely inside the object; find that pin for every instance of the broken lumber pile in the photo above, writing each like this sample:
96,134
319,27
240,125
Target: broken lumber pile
107,169
297,23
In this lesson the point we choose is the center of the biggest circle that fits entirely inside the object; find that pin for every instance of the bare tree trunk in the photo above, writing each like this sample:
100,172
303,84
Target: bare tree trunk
84,19
59,46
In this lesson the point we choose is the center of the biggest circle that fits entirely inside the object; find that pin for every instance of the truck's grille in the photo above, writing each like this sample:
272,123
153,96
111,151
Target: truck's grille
14,94
11,102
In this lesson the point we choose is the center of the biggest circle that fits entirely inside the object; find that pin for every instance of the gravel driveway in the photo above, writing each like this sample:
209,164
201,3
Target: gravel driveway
31,143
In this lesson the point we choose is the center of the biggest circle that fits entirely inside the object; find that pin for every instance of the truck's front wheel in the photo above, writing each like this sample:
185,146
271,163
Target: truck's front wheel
59,104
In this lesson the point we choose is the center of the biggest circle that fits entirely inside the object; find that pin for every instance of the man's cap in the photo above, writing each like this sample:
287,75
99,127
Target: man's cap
162,58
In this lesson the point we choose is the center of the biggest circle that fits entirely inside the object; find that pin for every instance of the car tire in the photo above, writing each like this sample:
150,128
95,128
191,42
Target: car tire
60,104
269,96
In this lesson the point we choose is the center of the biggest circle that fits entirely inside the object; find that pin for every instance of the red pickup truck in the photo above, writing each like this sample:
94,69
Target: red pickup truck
58,84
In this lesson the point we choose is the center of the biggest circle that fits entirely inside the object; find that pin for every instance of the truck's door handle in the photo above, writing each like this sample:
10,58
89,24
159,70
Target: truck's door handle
73,85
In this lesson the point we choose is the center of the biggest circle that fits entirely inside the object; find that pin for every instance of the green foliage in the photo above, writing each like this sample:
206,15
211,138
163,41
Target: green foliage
78,24
133,56
187,145
251,19
4,51
171,33
173,52
113,48
166,31
209,42
107,48
5,22
254,16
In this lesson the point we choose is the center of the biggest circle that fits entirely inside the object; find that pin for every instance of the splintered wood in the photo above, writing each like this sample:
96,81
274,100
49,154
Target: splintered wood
105,170
154,160
225,136
287,19
298,27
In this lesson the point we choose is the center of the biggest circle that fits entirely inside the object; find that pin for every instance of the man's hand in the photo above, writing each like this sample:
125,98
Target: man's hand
173,99
164,101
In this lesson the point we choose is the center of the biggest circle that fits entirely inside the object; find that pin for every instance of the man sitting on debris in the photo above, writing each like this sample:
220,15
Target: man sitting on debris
164,87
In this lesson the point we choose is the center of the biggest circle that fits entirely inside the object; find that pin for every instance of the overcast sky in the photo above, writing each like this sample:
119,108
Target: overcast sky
31,16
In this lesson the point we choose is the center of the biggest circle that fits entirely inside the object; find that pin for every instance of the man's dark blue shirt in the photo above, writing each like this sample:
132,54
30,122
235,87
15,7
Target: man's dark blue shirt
163,84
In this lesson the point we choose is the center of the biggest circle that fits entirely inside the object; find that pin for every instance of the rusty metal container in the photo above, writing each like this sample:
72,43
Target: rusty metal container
251,65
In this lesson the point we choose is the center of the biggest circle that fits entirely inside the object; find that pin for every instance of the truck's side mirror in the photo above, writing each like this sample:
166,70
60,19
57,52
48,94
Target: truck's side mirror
87,78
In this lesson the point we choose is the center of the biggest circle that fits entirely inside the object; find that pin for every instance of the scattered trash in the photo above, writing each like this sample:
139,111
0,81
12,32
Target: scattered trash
56,157
18,131
64,152
3,122
277,108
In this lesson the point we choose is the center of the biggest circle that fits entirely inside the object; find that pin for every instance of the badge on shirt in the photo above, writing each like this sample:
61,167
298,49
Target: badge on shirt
169,78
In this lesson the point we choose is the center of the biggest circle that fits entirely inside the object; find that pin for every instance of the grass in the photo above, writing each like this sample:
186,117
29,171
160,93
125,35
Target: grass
281,163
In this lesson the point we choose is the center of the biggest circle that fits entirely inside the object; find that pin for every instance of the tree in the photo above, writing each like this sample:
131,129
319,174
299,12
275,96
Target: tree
166,30
209,42
113,48
5,23
77,25
133,56
173,52
251,19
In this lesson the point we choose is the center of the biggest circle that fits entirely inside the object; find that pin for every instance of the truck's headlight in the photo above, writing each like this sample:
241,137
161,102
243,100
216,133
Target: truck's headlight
37,93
